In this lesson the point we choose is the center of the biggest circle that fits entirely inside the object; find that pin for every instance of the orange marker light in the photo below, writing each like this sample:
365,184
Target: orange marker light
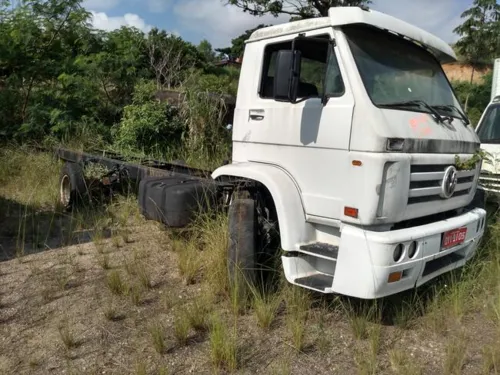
357,163
395,276
351,212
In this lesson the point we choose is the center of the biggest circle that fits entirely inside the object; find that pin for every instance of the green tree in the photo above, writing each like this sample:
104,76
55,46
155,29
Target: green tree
238,43
170,57
298,9
206,51
479,42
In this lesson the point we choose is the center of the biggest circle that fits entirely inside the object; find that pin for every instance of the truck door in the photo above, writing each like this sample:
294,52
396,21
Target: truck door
307,139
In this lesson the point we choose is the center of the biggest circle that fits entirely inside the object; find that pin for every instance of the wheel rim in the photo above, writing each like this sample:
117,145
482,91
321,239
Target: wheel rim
65,190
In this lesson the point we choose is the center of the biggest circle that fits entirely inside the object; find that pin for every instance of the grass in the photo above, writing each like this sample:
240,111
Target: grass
223,323
182,327
135,292
297,302
113,313
223,348
116,284
144,275
456,351
491,358
158,337
403,363
21,170
67,336
189,263
104,261
265,305
198,312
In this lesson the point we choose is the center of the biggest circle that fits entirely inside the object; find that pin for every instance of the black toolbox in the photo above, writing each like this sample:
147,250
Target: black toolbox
175,200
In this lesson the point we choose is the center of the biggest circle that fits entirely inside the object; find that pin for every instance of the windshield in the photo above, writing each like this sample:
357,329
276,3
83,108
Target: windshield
394,70
489,128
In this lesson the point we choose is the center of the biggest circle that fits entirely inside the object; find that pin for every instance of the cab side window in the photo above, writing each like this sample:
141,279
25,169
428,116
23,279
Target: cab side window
320,72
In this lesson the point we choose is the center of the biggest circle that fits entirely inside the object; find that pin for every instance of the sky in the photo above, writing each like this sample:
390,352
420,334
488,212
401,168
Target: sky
195,20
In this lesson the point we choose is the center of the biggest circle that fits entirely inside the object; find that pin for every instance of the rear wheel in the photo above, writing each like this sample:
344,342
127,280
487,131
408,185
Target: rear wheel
72,187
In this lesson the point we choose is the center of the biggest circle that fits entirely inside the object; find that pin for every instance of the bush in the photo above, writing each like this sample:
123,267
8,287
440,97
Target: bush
148,125
478,96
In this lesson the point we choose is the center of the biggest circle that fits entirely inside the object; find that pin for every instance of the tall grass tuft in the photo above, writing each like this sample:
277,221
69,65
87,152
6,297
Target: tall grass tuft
158,337
298,303
456,351
265,305
223,348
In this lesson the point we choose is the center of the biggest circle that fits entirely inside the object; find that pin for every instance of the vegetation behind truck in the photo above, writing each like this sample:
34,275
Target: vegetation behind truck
345,139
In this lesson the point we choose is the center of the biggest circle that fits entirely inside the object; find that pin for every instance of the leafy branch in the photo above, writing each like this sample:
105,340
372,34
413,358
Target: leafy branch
470,164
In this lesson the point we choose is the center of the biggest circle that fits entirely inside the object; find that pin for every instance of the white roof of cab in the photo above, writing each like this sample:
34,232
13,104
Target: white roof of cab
340,16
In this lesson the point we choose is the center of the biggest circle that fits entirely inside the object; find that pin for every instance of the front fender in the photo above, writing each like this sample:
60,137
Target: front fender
294,230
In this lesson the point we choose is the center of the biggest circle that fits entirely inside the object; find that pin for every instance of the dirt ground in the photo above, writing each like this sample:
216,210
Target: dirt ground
63,310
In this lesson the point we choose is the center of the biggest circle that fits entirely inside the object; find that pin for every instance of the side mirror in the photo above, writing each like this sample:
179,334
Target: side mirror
286,75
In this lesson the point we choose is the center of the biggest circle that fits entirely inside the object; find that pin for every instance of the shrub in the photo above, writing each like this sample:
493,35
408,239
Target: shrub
148,125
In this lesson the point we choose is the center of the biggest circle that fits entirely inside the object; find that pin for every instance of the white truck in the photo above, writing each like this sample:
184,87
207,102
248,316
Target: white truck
488,130
355,170
345,138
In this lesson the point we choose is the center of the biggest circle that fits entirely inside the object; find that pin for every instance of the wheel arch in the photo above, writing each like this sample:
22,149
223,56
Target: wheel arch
285,194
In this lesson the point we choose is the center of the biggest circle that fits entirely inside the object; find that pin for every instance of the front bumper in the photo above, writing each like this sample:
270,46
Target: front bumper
366,260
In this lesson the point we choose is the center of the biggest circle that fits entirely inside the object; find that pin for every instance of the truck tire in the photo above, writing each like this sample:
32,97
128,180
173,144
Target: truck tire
253,241
242,241
72,186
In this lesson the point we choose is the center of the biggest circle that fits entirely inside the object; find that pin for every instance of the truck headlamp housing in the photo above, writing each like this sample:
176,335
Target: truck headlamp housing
395,144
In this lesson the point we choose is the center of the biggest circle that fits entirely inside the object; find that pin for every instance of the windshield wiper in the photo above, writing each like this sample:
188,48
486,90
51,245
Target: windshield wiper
451,107
414,103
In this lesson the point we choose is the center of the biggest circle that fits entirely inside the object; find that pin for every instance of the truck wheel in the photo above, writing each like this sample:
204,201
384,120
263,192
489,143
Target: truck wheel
72,187
242,241
253,241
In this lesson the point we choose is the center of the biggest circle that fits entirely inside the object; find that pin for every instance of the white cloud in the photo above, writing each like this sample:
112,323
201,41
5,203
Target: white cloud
219,23
102,21
100,4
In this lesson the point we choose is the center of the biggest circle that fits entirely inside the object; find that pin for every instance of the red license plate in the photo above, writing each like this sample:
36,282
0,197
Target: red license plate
453,238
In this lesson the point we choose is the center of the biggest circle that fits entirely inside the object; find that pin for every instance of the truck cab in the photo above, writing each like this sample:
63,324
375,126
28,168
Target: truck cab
346,134
488,130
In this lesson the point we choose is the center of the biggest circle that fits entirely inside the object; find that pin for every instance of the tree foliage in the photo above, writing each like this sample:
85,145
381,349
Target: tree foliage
238,43
479,41
59,77
296,9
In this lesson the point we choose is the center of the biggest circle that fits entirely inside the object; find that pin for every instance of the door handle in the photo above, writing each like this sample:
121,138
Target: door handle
256,114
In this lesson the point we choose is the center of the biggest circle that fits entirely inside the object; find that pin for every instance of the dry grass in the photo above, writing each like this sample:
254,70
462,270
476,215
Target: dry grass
116,284
66,335
198,312
297,302
182,327
456,351
403,363
189,263
158,337
265,305
179,325
223,347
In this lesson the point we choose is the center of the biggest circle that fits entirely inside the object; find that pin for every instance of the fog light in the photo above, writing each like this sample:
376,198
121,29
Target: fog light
412,250
398,253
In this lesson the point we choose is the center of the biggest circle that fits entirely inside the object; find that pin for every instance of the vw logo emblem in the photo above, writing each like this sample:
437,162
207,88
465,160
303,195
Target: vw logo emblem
449,182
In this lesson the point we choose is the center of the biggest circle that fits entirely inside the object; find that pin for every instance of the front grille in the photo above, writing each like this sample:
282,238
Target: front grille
426,179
